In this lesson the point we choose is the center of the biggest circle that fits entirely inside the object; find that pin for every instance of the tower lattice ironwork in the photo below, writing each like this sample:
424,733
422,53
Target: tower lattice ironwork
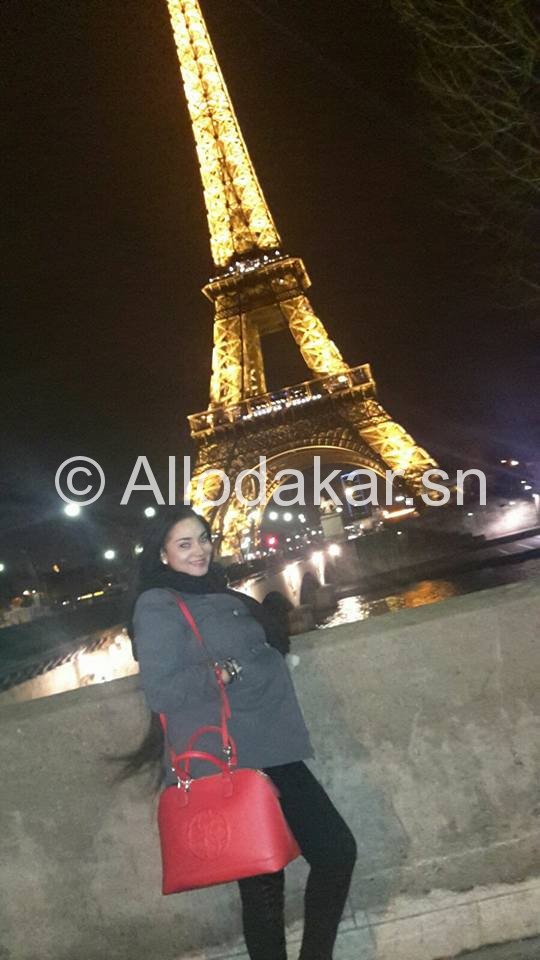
258,290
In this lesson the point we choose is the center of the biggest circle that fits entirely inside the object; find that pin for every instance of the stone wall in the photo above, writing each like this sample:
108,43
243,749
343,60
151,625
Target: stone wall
427,729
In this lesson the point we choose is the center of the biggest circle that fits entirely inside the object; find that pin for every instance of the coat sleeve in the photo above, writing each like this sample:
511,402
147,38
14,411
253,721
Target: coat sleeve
160,635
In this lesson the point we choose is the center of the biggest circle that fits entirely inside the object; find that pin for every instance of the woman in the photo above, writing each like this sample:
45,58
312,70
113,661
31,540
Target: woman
266,720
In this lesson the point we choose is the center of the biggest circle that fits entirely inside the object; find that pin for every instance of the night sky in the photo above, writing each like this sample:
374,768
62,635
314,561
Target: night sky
107,343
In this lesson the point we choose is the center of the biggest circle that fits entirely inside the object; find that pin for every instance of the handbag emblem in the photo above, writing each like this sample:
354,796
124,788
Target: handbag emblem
208,834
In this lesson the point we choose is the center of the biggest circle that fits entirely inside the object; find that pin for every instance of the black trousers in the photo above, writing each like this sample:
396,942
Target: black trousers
330,849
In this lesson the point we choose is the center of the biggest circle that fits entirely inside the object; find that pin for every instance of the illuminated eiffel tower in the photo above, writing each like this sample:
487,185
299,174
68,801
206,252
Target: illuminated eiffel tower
258,290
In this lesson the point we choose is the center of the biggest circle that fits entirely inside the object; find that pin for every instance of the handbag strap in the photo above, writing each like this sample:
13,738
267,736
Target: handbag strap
189,755
228,745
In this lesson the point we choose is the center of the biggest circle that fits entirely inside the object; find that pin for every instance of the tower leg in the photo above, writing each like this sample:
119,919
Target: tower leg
318,351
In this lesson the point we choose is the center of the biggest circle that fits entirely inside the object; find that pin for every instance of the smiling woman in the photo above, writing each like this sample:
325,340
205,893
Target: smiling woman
188,547
179,671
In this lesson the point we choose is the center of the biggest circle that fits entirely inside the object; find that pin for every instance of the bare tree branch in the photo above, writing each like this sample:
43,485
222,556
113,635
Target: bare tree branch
478,66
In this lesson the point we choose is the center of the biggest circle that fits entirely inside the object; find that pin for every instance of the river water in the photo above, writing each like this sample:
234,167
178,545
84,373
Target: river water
113,659
361,606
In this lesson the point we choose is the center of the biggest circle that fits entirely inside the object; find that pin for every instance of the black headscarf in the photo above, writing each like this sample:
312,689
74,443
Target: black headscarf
214,581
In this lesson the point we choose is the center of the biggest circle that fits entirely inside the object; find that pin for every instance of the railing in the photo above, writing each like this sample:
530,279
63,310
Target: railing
271,403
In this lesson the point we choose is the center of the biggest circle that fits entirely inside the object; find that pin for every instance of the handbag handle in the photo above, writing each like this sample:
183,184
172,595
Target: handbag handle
182,762
232,758
228,744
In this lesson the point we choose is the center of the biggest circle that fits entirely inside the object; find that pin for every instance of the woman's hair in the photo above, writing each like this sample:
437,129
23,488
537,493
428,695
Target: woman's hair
149,753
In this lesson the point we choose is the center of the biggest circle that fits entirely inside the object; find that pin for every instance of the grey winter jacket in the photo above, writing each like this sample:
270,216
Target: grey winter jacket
178,679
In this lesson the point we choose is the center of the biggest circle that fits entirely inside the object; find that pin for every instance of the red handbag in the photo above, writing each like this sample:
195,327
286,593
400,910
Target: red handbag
221,827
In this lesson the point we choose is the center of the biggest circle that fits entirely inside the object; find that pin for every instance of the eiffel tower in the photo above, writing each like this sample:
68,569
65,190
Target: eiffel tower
257,291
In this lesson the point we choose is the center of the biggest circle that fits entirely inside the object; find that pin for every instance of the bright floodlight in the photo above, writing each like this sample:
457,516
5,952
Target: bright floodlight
109,554
150,511
72,510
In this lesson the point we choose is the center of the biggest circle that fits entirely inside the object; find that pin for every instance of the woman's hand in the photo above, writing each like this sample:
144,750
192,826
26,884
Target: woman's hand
230,670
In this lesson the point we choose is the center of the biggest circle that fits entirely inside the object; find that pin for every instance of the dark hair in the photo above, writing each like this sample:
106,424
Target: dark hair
149,754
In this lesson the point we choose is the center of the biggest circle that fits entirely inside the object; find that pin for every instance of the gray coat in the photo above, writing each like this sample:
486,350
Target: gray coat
178,679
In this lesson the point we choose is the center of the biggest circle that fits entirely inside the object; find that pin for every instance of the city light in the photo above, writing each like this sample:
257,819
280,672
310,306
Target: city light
150,511
392,514
90,596
2,567
287,517
334,550
138,549
72,510
109,554
273,515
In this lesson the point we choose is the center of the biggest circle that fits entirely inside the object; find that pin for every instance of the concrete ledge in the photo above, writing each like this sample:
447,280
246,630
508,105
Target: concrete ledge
444,923
426,726
435,927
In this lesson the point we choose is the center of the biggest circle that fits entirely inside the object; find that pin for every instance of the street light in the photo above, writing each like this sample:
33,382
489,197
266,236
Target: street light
137,549
2,567
109,554
150,511
72,510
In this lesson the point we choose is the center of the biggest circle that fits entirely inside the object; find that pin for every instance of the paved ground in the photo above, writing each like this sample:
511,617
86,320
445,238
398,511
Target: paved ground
519,950
358,945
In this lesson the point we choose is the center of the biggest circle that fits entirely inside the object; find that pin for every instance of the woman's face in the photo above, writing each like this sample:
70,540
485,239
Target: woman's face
188,548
